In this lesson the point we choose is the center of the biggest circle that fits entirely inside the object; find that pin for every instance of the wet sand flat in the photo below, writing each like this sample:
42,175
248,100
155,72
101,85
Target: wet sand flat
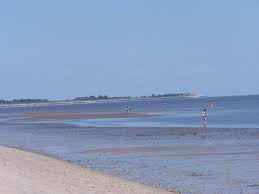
25,172
190,160
193,151
127,150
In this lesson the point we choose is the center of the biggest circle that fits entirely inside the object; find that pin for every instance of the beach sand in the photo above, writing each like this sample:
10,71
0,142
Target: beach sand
26,172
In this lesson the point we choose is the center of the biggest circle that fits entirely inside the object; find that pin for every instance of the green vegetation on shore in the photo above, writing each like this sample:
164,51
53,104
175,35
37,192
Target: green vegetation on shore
100,97
91,98
105,97
169,95
18,101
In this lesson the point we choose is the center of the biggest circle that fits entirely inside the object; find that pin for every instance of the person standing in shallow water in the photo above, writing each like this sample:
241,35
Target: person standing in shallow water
204,117
128,108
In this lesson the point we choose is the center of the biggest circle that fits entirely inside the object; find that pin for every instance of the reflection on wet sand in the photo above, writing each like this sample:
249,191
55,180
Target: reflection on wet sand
210,154
125,150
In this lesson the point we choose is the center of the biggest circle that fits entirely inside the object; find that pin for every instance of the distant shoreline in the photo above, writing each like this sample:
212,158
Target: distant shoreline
45,102
72,102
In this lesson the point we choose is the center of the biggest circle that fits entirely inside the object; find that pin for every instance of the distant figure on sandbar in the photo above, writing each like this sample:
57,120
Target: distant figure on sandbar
204,117
163,104
211,104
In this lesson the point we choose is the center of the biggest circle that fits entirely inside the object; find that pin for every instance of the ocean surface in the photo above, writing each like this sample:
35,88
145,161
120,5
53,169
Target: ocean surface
169,149
226,112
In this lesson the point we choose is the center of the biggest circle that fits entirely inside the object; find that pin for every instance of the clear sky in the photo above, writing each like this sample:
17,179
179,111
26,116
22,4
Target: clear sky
60,49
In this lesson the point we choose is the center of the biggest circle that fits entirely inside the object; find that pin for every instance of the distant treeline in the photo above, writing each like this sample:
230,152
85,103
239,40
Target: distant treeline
100,97
17,101
169,95
105,97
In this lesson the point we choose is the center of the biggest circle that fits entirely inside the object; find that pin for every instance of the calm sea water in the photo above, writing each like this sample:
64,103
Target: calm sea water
192,160
227,112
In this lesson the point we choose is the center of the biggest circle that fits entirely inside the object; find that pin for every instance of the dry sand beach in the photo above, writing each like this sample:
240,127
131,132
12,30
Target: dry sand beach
25,172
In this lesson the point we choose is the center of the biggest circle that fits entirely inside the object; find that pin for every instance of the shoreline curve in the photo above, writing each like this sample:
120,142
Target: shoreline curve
27,172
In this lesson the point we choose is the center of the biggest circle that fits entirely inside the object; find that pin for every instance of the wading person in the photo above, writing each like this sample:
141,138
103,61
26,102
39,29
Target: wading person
204,117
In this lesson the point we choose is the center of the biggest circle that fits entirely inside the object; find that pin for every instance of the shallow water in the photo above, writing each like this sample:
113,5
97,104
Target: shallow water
227,112
189,160
192,160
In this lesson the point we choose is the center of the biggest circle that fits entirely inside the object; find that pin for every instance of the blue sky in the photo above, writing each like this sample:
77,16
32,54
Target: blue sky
60,49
